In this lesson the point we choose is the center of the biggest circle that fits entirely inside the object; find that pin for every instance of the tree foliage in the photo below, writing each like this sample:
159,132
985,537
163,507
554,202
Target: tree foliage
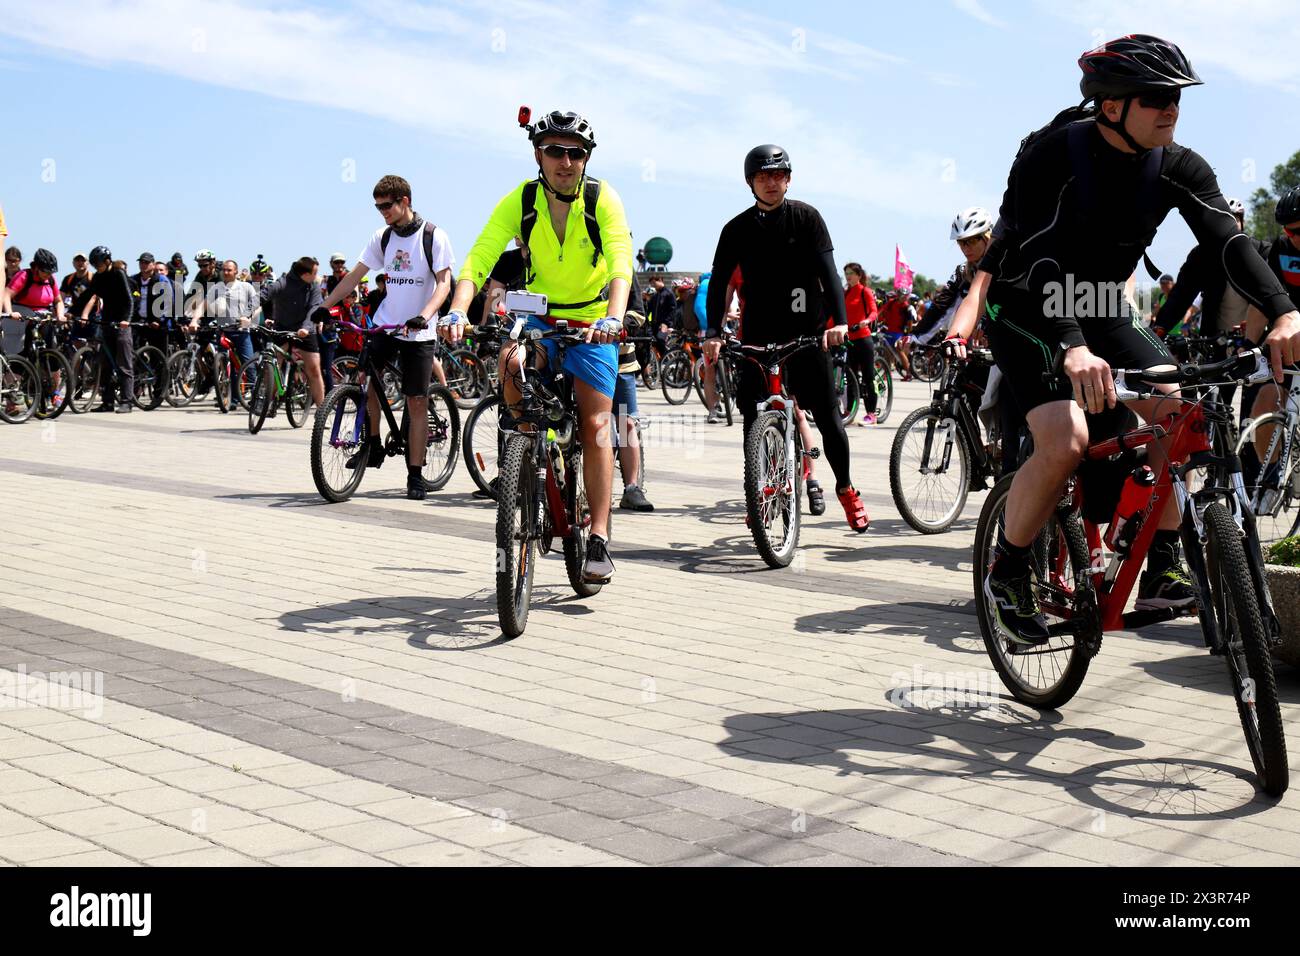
1259,214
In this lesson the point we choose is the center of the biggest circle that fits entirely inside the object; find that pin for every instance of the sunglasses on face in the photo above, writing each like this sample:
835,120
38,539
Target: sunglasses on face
385,206
556,151
1292,231
1160,101
970,241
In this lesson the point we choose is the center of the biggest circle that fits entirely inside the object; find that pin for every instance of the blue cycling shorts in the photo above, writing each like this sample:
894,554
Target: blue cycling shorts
597,365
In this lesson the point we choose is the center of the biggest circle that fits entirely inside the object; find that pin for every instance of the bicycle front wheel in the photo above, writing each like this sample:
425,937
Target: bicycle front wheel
259,406
1049,674
518,522
1245,648
773,480
182,379
56,383
339,433
676,376
482,443
929,471
1277,504
85,378
927,363
466,377
150,377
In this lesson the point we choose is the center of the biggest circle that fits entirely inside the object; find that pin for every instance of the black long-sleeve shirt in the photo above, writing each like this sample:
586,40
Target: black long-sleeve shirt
293,302
788,268
1056,228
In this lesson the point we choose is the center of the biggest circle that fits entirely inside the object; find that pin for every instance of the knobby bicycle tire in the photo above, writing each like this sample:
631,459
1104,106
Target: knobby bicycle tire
517,511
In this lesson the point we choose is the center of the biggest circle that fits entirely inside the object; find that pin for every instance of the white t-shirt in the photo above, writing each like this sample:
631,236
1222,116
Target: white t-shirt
410,279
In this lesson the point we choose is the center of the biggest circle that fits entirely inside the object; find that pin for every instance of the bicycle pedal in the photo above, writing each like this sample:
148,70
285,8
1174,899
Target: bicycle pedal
813,453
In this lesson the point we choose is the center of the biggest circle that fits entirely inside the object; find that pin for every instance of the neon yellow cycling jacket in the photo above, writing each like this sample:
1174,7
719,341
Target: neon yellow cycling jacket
562,274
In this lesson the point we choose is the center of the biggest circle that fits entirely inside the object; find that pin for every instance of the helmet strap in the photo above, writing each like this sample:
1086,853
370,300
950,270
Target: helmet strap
1121,127
541,178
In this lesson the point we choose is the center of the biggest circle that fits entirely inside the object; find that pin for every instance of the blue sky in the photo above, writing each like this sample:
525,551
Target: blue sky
253,127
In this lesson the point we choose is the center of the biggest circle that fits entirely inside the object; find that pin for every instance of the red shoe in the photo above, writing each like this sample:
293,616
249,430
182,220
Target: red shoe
854,509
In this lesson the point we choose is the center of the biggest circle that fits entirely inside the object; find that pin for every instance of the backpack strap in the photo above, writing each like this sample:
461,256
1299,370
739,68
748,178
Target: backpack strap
428,243
527,220
1086,180
590,196
383,243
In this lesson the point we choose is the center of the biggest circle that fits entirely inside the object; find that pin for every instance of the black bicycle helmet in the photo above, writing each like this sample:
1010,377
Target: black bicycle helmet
1288,208
44,259
1132,65
100,254
572,124
765,157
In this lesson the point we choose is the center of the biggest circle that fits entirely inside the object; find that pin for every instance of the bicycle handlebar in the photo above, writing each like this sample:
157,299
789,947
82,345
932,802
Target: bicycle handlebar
1250,368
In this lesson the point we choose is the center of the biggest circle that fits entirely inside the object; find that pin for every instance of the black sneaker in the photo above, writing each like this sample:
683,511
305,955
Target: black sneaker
123,409
1015,608
634,499
416,489
598,566
816,498
108,407
376,453
1168,587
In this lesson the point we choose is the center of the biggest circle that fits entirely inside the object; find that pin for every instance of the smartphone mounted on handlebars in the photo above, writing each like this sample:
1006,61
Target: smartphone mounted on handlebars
526,303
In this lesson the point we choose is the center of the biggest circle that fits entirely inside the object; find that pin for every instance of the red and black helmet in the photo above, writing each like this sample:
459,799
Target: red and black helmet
1133,65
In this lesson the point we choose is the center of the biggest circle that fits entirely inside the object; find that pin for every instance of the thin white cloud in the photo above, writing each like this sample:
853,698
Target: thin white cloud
974,8
1254,40
462,68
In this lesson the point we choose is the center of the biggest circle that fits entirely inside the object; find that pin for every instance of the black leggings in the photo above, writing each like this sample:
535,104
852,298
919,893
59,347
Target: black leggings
808,378
862,360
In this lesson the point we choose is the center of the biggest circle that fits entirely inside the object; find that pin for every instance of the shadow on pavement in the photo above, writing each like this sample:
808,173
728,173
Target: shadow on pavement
934,625
998,741
426,622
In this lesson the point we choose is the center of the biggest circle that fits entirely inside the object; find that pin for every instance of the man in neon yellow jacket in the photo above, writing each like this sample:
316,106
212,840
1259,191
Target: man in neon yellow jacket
578,251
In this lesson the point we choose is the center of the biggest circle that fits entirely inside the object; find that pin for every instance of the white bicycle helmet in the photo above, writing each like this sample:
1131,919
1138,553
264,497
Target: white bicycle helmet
974,221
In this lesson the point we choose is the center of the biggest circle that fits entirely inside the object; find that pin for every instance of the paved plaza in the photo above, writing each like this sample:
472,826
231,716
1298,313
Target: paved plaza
202,663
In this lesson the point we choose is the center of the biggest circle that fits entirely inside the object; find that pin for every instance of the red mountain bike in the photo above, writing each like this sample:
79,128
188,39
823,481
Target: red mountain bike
1083,591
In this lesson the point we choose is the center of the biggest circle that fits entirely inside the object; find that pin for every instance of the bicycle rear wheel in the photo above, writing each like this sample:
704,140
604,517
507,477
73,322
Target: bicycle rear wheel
518,520
150,377
1245,649
20,390
482,443
772,489
847,392
725,390
1050,674
221,378
247,381
339,432
182,379
443,442
575,544
466,377
929,471
56,383
297,396
927,363
650,371
884,391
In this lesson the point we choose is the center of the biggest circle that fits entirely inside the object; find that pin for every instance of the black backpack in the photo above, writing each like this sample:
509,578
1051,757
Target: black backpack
528,199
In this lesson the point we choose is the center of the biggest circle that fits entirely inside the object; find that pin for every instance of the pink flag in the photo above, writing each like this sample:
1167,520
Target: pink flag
902,271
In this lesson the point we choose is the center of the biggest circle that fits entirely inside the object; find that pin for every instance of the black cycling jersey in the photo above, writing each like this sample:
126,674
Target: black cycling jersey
1076,225
945,300
114,291
789,274
1202,274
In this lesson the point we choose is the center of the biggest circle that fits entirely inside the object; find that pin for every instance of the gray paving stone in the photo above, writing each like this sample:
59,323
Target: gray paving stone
546,786
517,806
612,804
442,786
332,755
645,846
643,784
575,768
684,825
762,848
576,826
712,803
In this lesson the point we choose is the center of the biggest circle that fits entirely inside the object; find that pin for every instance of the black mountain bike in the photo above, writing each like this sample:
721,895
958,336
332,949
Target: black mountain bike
342,431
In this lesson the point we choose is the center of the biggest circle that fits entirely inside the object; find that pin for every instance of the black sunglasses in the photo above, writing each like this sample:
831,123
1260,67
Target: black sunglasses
556,151
385,206
1160,101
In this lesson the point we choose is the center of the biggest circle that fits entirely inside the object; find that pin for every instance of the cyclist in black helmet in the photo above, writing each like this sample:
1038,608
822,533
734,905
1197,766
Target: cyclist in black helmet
1083,201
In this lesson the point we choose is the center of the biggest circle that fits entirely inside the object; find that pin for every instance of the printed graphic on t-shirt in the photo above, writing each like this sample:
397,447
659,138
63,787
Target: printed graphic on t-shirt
401,261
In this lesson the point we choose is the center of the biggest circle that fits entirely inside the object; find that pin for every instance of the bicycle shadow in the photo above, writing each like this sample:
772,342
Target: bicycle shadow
870,620
426,622
997,741
1204,672
922,557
